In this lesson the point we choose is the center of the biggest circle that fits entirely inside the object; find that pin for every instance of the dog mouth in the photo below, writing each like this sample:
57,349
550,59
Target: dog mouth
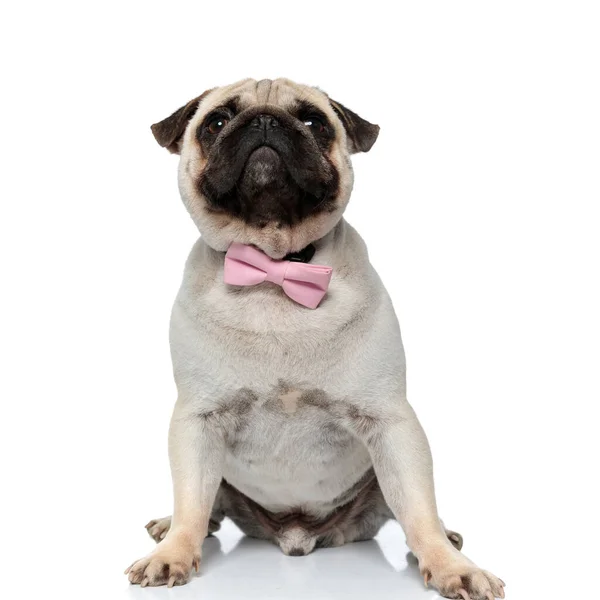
276,175
264,159
263,167
264,153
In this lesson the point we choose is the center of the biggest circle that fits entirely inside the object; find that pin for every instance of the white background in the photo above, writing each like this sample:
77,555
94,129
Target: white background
479,204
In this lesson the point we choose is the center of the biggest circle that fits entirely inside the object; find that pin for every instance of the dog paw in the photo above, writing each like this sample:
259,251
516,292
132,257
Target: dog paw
170,564
157,528
457,577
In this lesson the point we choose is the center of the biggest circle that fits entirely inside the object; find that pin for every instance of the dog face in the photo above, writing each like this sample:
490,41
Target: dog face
265,162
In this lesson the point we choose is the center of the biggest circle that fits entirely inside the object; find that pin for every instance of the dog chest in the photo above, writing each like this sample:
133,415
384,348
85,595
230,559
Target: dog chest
288,449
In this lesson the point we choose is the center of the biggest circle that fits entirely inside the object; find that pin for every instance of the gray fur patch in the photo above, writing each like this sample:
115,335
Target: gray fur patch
317,398
364,424
290,398
231,412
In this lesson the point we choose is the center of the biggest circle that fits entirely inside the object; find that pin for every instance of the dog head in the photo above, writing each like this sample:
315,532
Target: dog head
265,162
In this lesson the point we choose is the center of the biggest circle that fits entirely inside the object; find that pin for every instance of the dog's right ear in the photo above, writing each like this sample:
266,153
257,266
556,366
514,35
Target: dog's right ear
169,131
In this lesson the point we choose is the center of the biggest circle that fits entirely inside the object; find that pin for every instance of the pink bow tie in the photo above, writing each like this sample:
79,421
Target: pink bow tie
303,283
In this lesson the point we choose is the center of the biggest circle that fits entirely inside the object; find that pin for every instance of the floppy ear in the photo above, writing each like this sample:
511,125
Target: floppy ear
169,131
361,133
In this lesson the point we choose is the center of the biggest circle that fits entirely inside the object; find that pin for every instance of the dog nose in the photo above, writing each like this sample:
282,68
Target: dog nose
265,122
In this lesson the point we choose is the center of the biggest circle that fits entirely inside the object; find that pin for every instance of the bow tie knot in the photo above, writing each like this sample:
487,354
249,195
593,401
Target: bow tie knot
303,283
276,271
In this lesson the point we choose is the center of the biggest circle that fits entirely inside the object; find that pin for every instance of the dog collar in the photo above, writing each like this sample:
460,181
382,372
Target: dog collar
304,256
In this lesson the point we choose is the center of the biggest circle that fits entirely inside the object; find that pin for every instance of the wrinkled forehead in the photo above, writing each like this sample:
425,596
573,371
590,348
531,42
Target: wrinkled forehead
282,93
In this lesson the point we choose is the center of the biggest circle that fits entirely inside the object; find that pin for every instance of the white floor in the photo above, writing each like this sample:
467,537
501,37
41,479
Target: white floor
237,567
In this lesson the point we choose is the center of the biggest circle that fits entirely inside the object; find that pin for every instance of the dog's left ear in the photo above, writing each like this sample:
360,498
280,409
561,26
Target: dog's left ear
169,131
361,134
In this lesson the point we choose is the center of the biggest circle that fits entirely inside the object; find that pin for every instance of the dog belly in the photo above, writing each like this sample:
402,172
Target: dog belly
302,464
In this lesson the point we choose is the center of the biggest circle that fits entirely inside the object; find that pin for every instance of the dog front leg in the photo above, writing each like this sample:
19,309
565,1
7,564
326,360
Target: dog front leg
196,453
402,462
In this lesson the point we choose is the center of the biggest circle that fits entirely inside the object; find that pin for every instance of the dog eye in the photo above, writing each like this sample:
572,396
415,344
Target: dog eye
216,124
315,124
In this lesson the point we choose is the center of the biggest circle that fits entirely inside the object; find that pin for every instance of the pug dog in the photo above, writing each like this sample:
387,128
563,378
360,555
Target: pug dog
291,417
